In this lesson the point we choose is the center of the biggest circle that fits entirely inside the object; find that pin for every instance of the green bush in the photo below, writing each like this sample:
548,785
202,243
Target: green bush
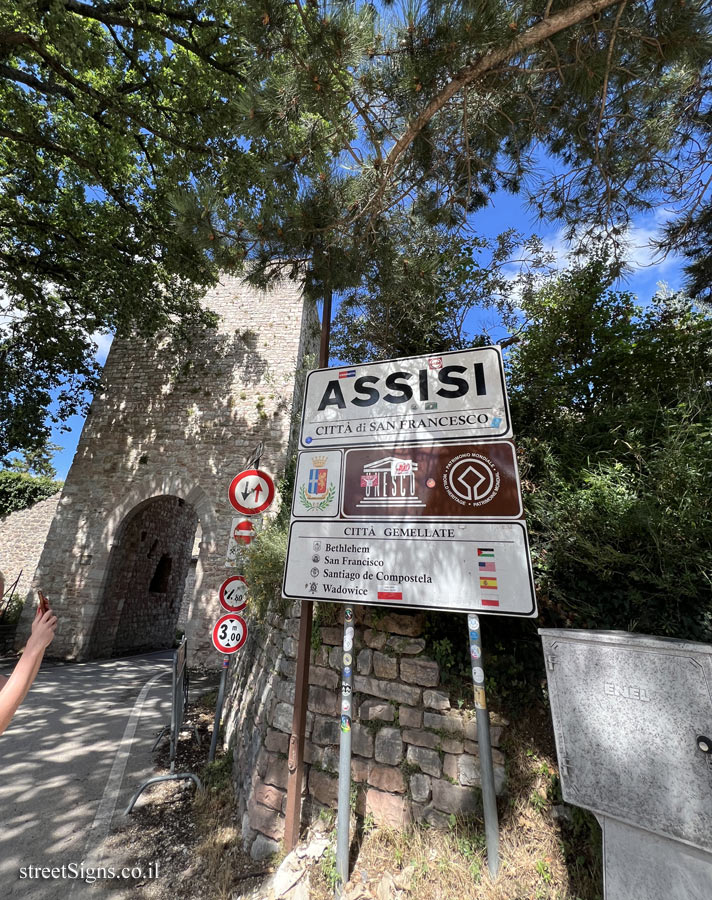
18,490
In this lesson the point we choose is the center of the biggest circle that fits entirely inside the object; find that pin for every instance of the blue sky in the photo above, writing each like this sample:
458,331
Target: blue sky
506,211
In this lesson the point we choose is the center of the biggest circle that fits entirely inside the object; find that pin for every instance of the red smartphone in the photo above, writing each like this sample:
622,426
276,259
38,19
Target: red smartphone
44,602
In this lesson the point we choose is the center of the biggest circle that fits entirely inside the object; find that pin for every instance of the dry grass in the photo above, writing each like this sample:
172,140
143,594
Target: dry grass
541,858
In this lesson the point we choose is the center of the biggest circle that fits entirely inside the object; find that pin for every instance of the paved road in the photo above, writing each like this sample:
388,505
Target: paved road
70,764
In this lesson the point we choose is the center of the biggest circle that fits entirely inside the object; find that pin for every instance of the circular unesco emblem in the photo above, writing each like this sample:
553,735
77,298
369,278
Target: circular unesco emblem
471,479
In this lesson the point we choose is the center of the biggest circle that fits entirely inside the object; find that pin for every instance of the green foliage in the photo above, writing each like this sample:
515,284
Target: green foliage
12,609
37,461
148,146
19,490
217,776
613,409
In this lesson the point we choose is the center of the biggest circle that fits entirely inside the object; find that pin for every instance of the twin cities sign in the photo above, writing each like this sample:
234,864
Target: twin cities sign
431,481
448,396
448,565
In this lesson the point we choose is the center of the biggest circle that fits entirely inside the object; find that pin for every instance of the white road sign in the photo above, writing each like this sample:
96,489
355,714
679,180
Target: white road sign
449,565
448,396
229,633
251,492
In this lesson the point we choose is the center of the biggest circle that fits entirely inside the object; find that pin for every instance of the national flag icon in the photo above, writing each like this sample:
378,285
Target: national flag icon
431,405
370,480
489,583
496,422
390,595
348,373
486,552
487,567
490,601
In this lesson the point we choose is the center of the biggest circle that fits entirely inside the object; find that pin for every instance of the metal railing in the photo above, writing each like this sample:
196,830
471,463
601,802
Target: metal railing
179,703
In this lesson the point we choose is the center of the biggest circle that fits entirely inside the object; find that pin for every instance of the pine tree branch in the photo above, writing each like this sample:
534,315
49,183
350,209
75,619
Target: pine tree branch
535,35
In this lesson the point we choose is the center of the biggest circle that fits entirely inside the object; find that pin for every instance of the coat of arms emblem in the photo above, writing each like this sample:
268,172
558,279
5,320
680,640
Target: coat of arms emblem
317,493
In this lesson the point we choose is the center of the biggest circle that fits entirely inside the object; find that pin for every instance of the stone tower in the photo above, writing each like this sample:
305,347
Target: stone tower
152,469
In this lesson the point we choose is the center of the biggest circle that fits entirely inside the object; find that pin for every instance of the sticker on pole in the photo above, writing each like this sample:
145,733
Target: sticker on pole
229,633
251,492
233,593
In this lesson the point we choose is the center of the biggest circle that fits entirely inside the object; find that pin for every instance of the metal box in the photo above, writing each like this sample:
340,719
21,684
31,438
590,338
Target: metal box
633,726
638,865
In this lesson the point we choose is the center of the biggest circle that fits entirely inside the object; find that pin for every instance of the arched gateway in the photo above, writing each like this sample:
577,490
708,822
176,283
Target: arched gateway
154,461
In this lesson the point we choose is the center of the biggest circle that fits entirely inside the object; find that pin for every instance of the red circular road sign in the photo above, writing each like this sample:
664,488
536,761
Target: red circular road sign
233,593
244,532
229,633
251,492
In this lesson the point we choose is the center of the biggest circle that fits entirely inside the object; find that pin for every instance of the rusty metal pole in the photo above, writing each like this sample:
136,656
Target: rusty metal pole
295,759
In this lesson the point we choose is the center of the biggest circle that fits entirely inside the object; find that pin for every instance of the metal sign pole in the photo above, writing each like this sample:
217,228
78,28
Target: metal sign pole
344,808
295,758
218,708
489,796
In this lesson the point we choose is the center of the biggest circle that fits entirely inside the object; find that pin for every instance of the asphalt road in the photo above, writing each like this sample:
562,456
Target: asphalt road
76,751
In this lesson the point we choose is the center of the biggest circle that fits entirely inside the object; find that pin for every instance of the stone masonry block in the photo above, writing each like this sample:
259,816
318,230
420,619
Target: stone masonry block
421,738
410,717
268,795
436,700
323,677
277,773
388,809
388,690
361,740
387,778
276,741
282,717
452,798
420,671
360,769
364,661
326,730
389,746
290,647
410,625
495,732
324,787
428,761
323,701
266,821
420,787
376,711
406,646
376,640
384,666
335,657
451,724
332,635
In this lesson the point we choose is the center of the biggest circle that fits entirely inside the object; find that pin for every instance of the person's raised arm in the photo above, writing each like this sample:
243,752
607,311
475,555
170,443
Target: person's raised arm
15,688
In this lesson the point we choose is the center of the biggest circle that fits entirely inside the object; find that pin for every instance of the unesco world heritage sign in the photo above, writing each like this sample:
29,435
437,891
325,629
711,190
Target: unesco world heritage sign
449,396
431,481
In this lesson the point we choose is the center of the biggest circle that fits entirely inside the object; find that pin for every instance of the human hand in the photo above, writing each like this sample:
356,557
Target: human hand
43,629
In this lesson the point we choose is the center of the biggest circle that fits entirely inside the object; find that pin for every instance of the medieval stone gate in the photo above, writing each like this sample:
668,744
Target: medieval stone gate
153,464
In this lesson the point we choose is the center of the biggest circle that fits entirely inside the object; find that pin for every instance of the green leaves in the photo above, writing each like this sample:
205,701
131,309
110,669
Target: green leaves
613,413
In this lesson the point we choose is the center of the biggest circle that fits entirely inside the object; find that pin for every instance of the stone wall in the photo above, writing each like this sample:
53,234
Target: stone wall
22,537
177,423
415,757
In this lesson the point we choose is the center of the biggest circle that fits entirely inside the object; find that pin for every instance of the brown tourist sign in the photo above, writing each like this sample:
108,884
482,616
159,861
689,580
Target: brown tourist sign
438,481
